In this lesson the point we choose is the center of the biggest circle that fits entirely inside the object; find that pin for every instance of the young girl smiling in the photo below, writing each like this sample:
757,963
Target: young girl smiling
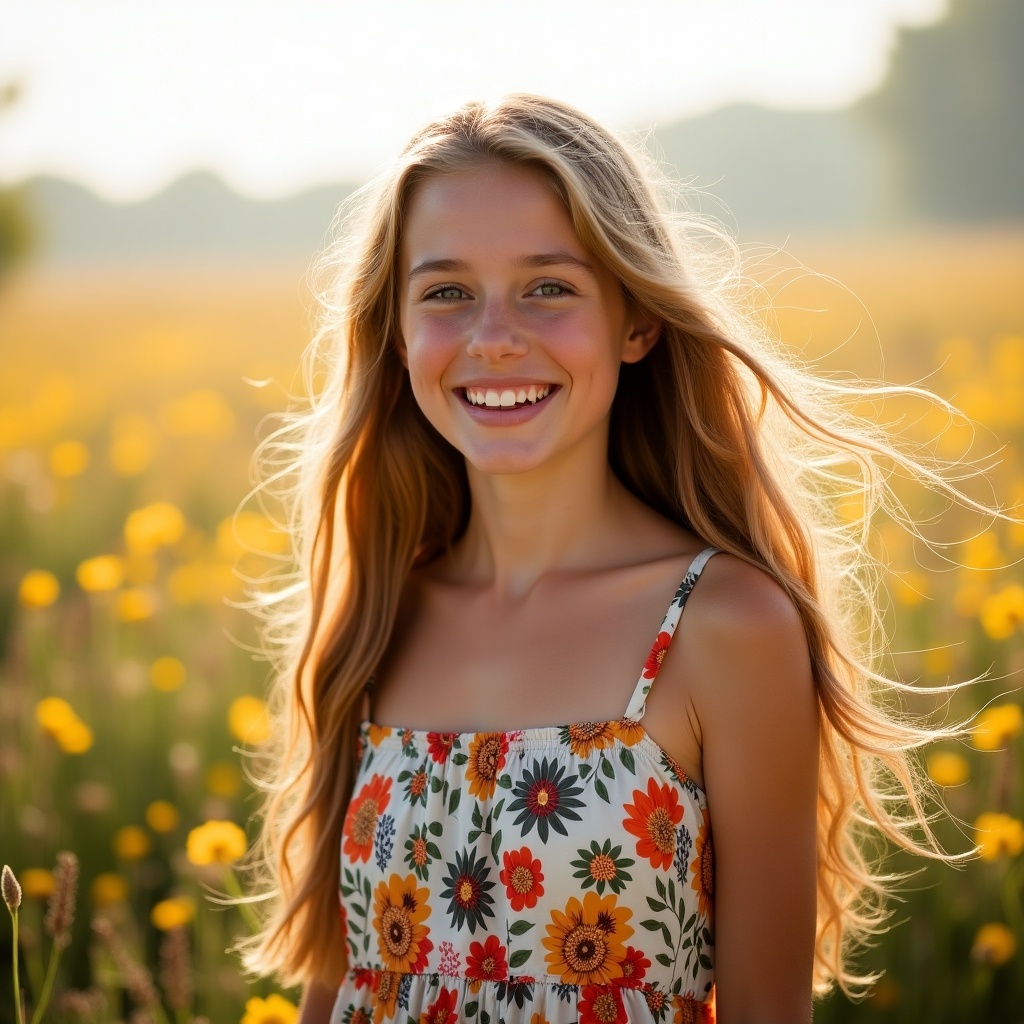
543,434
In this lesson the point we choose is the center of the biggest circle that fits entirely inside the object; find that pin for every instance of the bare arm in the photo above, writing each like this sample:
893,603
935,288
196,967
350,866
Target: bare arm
747,667
317,1003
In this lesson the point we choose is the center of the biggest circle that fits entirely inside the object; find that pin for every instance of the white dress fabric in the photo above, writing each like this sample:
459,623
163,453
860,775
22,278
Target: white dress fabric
551,875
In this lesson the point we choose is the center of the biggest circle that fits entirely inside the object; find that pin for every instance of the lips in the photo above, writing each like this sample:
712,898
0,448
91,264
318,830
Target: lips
506,398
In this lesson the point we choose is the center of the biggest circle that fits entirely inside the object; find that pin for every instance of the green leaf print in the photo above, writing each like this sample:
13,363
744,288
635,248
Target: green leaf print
521,927
519,957
453,799
626,757
601,790
606,767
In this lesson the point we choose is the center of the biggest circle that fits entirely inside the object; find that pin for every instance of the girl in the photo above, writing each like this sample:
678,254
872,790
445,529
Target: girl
541,433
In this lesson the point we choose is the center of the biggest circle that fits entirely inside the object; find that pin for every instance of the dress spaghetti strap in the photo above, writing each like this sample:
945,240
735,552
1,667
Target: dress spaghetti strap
637,703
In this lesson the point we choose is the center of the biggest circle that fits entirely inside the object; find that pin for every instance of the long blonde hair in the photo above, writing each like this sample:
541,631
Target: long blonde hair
715,429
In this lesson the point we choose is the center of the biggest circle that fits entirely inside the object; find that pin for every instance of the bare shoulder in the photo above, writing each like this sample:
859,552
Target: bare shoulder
739,625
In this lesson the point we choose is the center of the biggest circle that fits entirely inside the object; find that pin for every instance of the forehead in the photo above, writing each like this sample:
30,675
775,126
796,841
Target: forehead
494,207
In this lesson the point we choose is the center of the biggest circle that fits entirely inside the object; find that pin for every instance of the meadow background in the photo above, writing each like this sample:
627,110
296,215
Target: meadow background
145,350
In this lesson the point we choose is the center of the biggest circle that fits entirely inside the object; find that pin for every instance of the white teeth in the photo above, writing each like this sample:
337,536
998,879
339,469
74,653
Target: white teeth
507,398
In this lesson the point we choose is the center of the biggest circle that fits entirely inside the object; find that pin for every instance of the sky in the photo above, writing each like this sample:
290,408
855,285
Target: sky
278,95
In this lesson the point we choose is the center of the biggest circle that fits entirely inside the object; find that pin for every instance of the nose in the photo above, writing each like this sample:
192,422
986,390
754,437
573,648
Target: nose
496,333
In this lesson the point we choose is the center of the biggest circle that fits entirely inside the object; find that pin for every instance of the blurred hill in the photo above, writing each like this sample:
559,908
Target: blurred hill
941,142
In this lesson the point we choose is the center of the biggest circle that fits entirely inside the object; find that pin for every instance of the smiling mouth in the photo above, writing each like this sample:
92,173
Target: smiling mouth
506,398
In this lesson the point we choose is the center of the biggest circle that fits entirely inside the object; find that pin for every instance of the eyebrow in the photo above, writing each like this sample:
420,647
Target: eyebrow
544,259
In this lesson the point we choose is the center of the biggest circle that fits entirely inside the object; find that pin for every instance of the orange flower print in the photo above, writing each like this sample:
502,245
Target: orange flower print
487,961
627,731
703,881
634,967
657,655
377,733
522,878
442,1009
602,1004
585,737
652,818
585,942
361,818
399,912
487,752
690,1010
385,996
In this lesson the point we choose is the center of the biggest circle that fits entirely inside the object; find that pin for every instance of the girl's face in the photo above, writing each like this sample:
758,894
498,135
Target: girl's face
511,331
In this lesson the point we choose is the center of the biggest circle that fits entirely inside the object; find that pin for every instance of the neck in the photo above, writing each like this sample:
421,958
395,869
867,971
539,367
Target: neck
563,516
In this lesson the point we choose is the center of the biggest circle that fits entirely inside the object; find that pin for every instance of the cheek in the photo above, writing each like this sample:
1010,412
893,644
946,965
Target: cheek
429,350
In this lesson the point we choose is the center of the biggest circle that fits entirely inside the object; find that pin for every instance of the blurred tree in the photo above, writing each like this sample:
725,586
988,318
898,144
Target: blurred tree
951,107
15,224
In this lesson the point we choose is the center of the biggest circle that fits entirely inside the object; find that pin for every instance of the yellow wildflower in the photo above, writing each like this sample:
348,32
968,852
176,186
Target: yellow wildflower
994,944
104,572
53,714
223,779
996,726
37,883
75,738
274,1009
982,552
131,843
998,835
38,589
175,912
58,719
249,531
162,816
135,605
1003,612
132,444
215,842
154,526
248,720
167,674
69,458
948,769
108,888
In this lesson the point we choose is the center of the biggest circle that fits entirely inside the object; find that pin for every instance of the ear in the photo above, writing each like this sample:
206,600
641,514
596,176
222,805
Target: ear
644,332
403,353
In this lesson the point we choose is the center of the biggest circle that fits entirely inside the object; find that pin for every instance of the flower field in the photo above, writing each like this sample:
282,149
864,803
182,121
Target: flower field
130,690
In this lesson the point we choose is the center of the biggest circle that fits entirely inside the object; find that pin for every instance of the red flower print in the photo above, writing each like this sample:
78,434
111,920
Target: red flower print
365,977
689,1010
442,1009
522,878
602,1004
361,818
634,967
657,655
652,818
487,960
439,745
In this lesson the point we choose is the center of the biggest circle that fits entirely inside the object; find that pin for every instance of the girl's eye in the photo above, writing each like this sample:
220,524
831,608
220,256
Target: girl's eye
447,293
551,289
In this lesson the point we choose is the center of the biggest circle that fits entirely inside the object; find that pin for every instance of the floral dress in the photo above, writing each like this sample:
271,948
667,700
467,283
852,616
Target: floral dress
536,876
